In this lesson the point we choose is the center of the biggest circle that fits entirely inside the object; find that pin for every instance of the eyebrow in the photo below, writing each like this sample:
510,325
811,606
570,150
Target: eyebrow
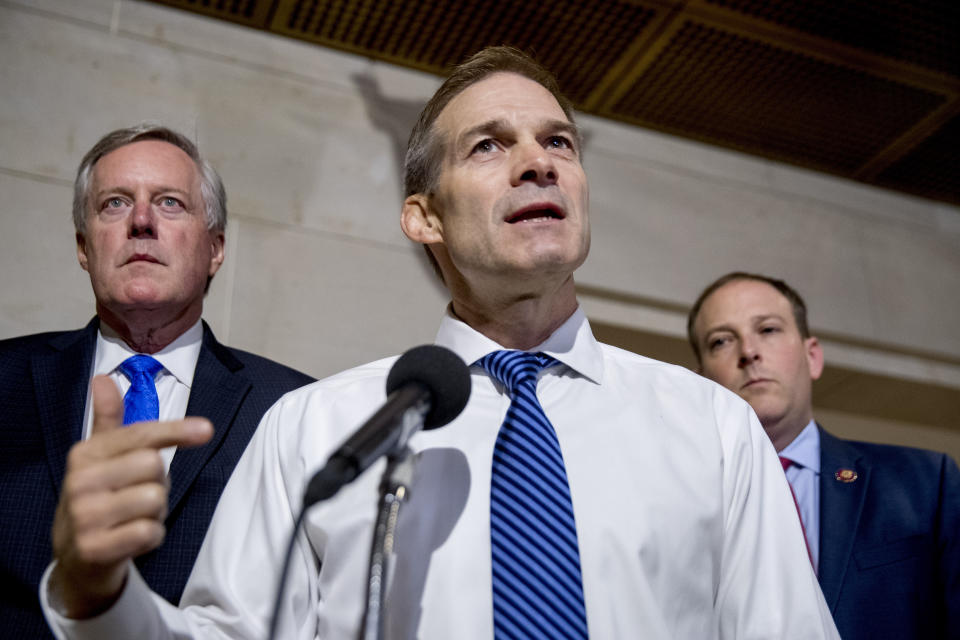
488,128
767,316
127,191
724,326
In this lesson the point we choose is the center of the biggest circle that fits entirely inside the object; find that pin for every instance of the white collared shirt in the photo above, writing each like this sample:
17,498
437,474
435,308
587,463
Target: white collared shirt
179,360
685,523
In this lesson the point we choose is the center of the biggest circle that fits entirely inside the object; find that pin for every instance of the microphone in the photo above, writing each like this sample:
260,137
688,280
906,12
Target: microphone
427,387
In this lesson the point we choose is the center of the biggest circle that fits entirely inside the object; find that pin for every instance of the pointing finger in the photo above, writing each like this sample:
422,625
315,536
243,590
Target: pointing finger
189,432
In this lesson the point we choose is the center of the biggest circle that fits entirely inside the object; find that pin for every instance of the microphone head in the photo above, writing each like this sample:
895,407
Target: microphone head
442,372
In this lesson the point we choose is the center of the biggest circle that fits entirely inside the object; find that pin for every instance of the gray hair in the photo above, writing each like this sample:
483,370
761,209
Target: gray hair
211,186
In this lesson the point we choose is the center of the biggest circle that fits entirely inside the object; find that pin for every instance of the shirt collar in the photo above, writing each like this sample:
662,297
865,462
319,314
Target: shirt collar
179,358
572,344
804,451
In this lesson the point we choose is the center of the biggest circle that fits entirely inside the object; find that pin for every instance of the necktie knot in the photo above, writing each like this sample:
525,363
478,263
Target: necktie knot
140,365
515,368
786,463
140,404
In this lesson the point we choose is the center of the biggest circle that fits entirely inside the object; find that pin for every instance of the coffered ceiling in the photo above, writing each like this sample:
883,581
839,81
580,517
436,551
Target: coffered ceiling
864,89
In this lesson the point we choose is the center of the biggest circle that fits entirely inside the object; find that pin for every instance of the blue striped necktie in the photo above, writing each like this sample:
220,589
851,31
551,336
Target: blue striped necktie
140,404
537,587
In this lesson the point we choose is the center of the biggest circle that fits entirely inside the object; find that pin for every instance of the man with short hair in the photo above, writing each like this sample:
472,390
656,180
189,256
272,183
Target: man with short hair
149,214
584,491
882,523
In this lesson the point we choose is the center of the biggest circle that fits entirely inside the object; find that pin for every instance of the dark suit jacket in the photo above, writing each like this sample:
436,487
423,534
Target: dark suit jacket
890,541
43,390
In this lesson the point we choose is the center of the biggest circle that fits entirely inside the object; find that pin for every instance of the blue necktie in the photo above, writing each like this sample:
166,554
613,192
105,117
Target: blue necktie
140,404
537,587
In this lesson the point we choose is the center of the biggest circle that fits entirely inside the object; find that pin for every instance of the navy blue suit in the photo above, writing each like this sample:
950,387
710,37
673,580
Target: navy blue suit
43,391
890,541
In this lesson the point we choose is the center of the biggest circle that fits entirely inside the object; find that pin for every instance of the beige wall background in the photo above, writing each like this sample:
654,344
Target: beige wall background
319,276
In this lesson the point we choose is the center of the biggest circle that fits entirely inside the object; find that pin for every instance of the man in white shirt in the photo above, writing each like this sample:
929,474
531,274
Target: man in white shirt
149,216
672,538
881,522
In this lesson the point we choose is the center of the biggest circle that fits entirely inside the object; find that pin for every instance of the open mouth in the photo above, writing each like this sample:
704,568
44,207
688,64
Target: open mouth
536,213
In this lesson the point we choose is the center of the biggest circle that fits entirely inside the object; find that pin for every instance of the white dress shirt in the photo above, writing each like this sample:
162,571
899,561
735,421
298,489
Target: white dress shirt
686,526
179,360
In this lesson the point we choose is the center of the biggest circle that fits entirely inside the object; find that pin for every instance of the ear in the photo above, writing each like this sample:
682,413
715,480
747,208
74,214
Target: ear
216,248
419,221
814,357
82,251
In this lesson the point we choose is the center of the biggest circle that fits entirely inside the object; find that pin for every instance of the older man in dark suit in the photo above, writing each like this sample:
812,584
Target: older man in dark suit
150,215
882,523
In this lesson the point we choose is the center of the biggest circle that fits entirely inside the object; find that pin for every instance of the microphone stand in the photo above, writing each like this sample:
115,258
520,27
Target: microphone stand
394,491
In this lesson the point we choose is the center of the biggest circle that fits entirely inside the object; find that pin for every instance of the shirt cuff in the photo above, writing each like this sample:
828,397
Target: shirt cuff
125,619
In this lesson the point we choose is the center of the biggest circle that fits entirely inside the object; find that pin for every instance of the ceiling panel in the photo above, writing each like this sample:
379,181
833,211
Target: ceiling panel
931,167
919,32
252,13
724,88
581,39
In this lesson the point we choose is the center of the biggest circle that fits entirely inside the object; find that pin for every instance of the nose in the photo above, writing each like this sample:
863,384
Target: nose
534,164
143,223
748,353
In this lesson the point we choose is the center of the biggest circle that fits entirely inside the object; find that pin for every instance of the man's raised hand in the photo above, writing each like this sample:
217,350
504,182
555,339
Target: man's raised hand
113,502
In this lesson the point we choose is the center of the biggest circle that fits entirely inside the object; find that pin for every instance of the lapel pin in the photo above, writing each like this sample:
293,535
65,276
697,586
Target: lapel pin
845,475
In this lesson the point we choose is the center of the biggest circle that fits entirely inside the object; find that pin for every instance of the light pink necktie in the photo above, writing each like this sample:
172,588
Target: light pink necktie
786,463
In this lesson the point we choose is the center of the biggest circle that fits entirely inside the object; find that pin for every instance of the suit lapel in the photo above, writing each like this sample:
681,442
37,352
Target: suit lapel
61,376
217,393
841,505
